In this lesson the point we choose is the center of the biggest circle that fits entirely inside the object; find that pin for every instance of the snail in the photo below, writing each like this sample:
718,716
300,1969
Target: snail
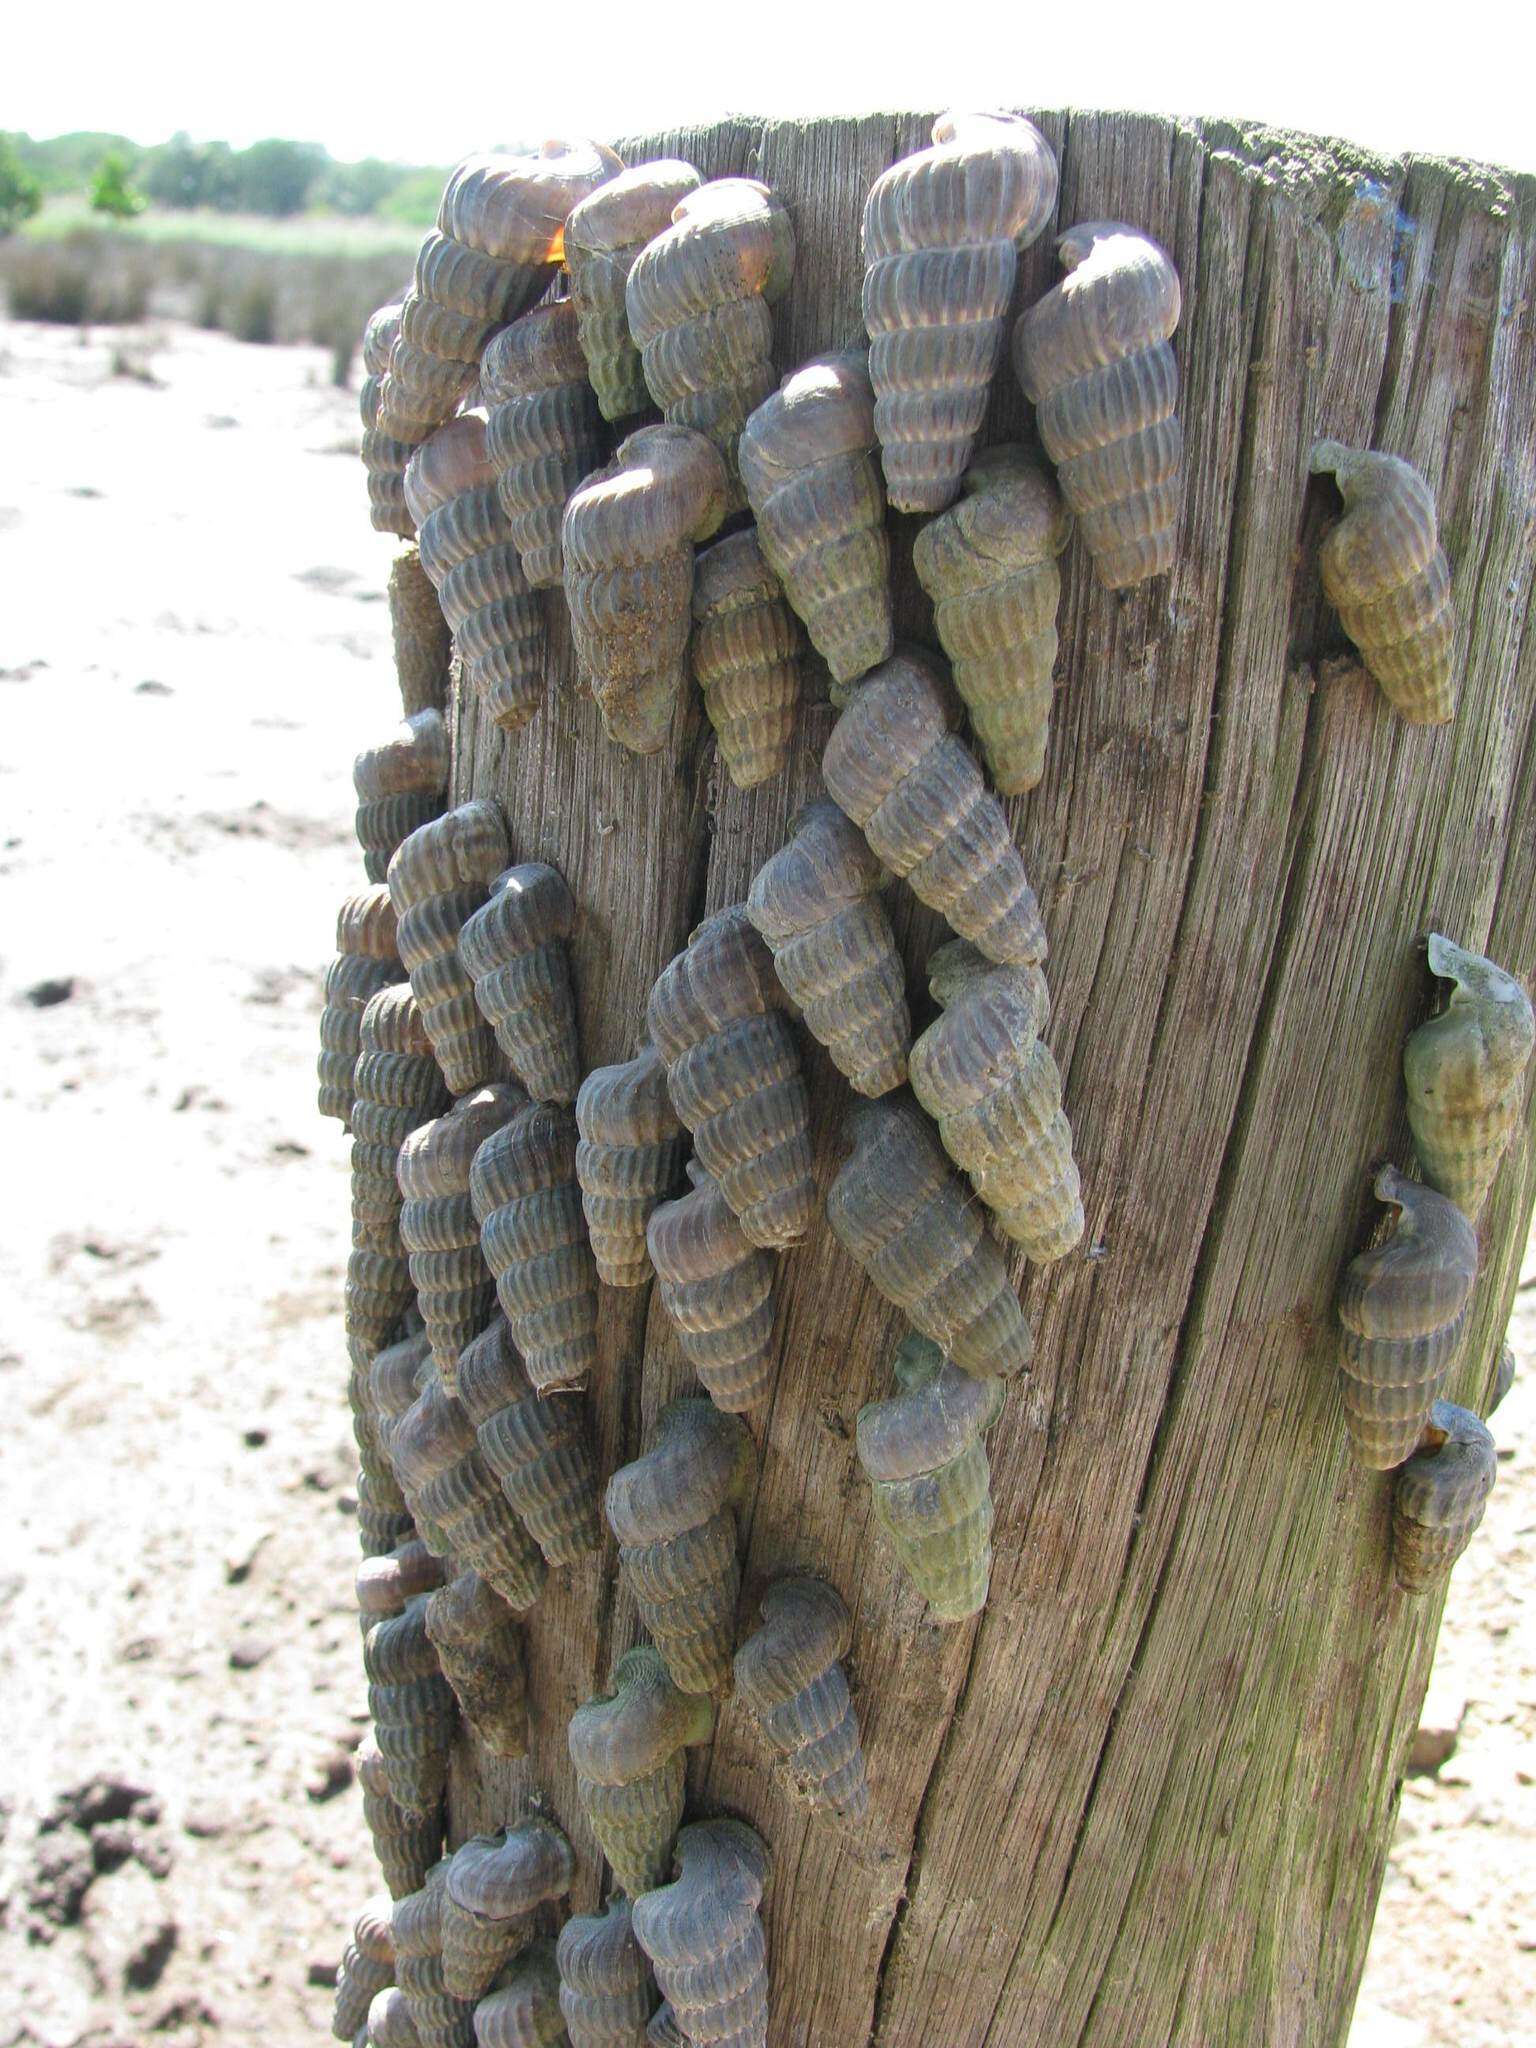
420,634
495,1885
523,2011
605,233
1503,1377
629,1159
384,1521
663,2030
1465,1072
406,1844
412,1707
396,1086
384,456
790,1674
746,657
366,961
717,1287
480,1650
438,877
903,1214
446,1481
733,1070
515,947
704,1936
542,432
396,1375
627,540
673,1512
378,1292
627,1746
367,1967
384,1583
606,1993
389,2022
441,2020
537,1447
943,229
1439,1495
400,784
528,1205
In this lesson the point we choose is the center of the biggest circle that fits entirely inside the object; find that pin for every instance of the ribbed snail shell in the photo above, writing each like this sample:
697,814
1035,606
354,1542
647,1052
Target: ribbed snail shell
791,1676
396,1376
413,1709
807,463
367,1966
629,1159
533,1234
942,233
515,947
515,207
480,1649
628,1749
817,903
989,564
733,1069
627,540
896,766
604,235
384,456
400,784
1439,1495
432,1448
746,657
717,1287
406,1844
1093,358
1465,1072
1385,571
384,1584
383,1520
663,2030
389,2023
542,432
438,877
441,2020
396,1086
673,1512
468,550
705,1939
366,961
904,1215
1503,1377
536,1446
378,1292
420,633
1403,1307
606,1993
524,2011
986,1076
495,1885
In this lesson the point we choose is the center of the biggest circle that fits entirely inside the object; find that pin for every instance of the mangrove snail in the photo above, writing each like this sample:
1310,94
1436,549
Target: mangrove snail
384,457
989,564
528,1204
1385,571
384,1583
807,463
396,1375
704,1936
627,1746
536,1446
1503,1376
1439,1495
378,1292
495,1885
480,1651
903,1214
367,1967
542,431
605,233
383,1519
366,960
440,2019
396,1085
1465,1072
1093,358
389,2023
664,2031
420,634
717,1287
523,2011
746,657
629,1159
1403,1307
716,1017
412,1705
406,1844
817,903
400,784
628,539
438,877
790,1674
673,1512
515,947
606,1993
942,233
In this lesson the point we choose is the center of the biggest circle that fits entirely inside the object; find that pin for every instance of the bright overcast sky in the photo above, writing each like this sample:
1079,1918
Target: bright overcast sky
363,80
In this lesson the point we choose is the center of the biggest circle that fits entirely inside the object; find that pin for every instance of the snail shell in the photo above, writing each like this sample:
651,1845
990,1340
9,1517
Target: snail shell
420,633
432,1448
543,433
367,1967
438,877
718,1289
904,1215
986,1076
406,1844
663,2030
1385,571
807,463
896,766
495,1885
384,1583
790,1674
673,1512
537,1448
378,1293
628,1749
942,233
704,1936
396,1087
515,947
733,1070
989,564
396,1375
922,1450
1439,1495
528,1204
524,2011
383,1520
1465,1071
366,961
1403,1307
630,1158
746,657
384,457
440,2019
1503,1378
480,1649
604,235
413,1710
817,903
389,2023
627,539
400,784
606,1993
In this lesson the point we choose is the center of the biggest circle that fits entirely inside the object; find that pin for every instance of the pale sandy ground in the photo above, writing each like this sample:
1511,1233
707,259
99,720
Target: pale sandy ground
192,646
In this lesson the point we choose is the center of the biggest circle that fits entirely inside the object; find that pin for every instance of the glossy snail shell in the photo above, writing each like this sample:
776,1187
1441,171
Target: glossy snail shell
604,235
406,1844
942,233
432,1448
400,784
438,877
537,1447
480,1650
515,947
746,657
524,2009
704,1936
1439,1495
396,1085
495,1885
606,1993
366,961
1465,1072
413,1709
629,1159
384,457
440,2019
717,1287
790,1674
420,633
367,1967
627,1746
528,1204
543,434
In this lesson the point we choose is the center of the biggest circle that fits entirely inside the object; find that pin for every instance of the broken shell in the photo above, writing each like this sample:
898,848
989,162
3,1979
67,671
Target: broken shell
396,1086
413,1710
746,657
447,1482
606,1993
366,961
422,640
629,1159
515,947
524,2011
438,878
400,784
1439,1495
480,1649
718,1289
537,1447
367,1967
441,2020
543,434
790,1674
1465,1071
604,235
527,1202
495,1885
406,1844
704,1936
628,1749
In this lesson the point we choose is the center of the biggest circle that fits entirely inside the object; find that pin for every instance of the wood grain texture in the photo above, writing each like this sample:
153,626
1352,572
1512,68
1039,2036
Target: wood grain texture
1147,1796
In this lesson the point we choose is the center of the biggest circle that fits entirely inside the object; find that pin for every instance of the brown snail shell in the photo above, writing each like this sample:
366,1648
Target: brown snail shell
441,2020
438,877
1403,1307
942,233
989,564
817,903
441,1472
733,1070
807,463
389,2022
922,1450
897,767
673,1512
421,636
406,1844
1465,1071
629,1159
366,961
746,657
527,1202
1439,1495
542,434
1385,571
396,1086
717,1287
606,1993
524,2010
605,233
413,1710
367,1968
400,784
480,1649
495,1885
791,1676
627,540
628,1749
986,1076
704,1936
904,1215
537,1447
515,947
384,1583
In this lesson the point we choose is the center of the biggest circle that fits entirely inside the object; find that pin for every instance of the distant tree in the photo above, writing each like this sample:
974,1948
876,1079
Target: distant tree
277,177
20,193
414,200
360,188
111,192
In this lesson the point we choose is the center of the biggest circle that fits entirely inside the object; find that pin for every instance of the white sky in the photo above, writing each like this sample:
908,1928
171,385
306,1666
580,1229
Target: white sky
363,81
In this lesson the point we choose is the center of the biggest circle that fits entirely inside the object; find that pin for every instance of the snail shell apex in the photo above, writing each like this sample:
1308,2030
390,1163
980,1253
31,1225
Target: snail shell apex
605,233
704,1937
1439,1495
629,1159
527,1201
717,1287
1465,1075
746,657
627,1746
790,1675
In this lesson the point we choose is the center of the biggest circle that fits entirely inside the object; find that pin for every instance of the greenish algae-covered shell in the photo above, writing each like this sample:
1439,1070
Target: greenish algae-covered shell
536,1445
438,877
627,1746
746,657
495,1885
717,1287
704,1935
1465,1072
1439,1495
630,1158
543,434
604,235
400,784
790,1674
480,1649
367,959
515,947
606,1992
527,1201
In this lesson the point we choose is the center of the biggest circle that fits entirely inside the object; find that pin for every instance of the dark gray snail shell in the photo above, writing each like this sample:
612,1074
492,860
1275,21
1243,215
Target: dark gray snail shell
422,640
441,2020
663,2030
383,1520
627,1746
1439,1495
629,1159
746,657
389,2023
397,1085
606,1992
480,1649
717,1287
378,1293
527,1202
495,1884
543,434
438,877
790,1674
536,1446
1465,1074
400,784
1503,1377
406,1844
523,2011
705,1938
515,947
603,236
366,960
413,1709
367,1967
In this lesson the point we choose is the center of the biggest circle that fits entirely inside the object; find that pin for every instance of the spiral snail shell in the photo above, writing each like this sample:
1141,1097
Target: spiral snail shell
536,1447
480,1651
366,961
1465,1072
384,456
406,1844
441,2020
378,1292
524,2009
717,1287
383,1519
542,433
515,947
1439,1495
605,233
527,1202
420,633
389,2023
746,657
438,877
606,1993
396,1376
1503,1376
627,1746
432,1448
385,1583
629,1159
495,1884
704,1936
663,2030
396,1085
400,784
367,1967
412,1706
791,1676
